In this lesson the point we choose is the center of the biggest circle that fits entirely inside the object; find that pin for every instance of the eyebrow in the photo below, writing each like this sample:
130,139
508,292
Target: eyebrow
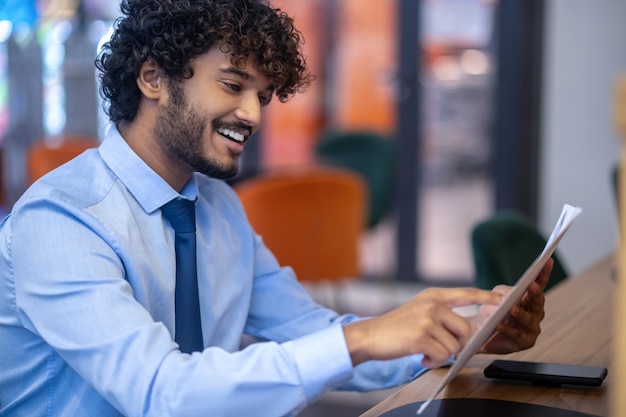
245,75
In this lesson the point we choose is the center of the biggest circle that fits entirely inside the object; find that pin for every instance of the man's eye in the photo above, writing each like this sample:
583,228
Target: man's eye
233,87
265,100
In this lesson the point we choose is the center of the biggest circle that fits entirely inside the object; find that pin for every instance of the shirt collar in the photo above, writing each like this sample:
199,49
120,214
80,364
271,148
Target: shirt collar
150,190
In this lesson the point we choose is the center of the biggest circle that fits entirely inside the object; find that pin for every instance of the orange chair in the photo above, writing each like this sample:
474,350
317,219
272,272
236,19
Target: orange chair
311,220
43,157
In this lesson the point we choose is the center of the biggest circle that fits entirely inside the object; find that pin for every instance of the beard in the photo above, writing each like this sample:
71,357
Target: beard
180,131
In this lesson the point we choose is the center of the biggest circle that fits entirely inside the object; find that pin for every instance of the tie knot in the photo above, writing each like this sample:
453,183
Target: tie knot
181,214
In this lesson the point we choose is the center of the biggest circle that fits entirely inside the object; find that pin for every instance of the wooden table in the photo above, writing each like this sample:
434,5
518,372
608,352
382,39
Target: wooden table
577,329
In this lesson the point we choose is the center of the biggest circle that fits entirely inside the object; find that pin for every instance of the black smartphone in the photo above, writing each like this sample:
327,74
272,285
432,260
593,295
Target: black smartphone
542,373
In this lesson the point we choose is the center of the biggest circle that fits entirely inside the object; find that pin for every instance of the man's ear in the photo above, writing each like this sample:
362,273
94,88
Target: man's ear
149,80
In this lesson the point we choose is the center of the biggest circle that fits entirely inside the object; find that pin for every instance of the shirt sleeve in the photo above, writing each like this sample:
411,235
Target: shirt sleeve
282,309
72,292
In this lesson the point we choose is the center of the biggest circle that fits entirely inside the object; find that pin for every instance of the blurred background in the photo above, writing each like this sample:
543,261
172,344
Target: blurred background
489,105
483,106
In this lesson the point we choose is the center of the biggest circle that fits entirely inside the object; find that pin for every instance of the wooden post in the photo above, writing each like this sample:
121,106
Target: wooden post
618,373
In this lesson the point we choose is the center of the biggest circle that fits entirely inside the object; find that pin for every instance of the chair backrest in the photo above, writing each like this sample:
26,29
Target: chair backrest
43,157
312,220
371,155
504,246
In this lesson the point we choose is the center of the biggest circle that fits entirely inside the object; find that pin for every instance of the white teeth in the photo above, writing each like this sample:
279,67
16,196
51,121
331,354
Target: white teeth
232,135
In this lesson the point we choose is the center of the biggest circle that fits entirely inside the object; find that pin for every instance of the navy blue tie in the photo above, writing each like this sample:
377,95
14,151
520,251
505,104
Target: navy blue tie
182,217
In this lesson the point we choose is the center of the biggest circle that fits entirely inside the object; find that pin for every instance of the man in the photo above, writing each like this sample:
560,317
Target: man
88,265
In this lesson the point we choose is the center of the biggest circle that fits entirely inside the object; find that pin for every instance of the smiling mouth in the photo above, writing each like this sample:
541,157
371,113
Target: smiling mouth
233,135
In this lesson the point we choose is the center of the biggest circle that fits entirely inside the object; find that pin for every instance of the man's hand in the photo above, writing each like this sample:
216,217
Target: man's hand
521,328
425,324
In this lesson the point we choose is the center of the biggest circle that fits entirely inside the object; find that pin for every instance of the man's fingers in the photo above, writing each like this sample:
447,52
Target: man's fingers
517,339
544,276
459,297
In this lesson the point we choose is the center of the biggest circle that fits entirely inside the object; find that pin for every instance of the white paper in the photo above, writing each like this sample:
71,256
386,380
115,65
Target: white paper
568,214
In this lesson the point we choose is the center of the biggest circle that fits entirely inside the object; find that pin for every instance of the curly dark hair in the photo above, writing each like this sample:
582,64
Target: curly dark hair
175,32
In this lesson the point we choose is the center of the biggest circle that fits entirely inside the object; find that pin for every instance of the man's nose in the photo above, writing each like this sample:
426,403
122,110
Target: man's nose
250,111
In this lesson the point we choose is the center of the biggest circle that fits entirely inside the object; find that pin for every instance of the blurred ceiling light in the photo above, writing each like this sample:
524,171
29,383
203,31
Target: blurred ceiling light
97,29
474,62
61,31
5,30
22,33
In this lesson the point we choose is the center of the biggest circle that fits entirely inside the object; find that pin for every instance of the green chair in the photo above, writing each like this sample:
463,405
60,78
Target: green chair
504,246
369,154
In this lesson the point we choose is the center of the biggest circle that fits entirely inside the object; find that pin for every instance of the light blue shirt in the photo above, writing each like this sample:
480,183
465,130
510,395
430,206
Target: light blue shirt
87,276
